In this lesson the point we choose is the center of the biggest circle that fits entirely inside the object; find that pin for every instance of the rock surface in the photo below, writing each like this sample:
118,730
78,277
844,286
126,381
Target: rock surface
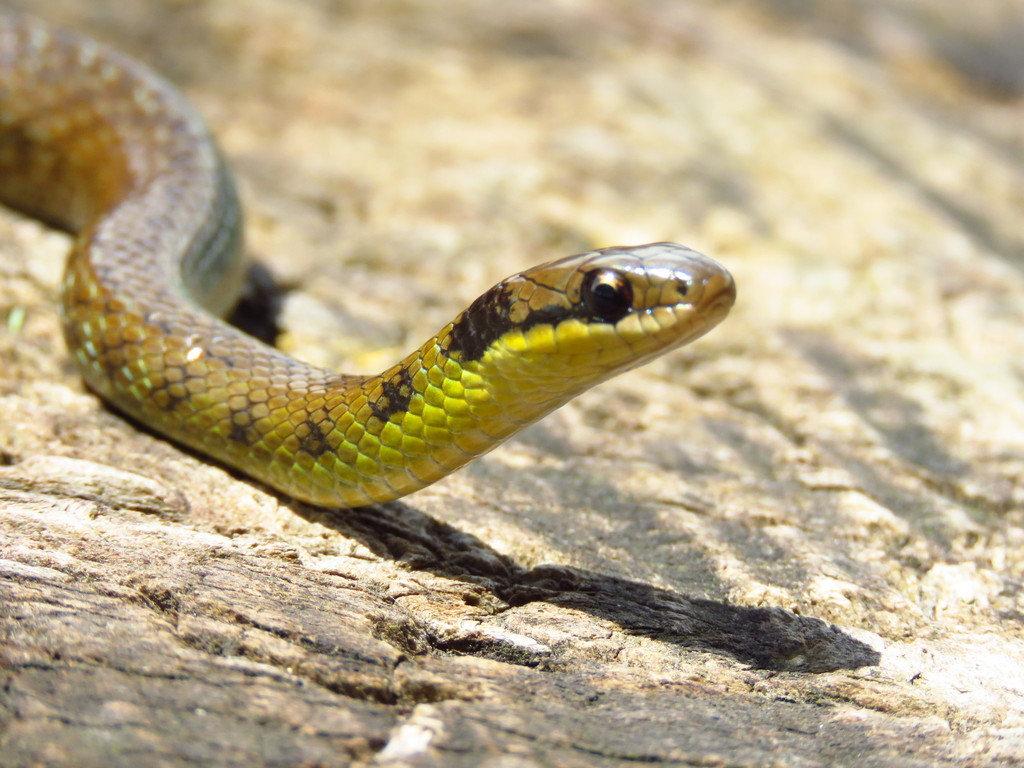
799,542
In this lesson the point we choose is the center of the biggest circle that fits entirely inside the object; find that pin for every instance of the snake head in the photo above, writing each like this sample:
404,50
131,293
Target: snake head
544,335
637,303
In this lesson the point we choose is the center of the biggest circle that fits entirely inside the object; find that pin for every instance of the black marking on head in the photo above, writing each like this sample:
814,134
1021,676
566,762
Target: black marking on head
485,320
396,393
606,296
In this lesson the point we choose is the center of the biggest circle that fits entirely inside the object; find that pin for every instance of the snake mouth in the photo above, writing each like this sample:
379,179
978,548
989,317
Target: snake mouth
718,297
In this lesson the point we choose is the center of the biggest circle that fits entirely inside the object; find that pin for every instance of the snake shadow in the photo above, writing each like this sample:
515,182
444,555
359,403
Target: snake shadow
765,638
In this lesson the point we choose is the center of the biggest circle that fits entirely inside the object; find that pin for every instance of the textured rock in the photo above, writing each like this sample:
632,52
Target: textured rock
799,542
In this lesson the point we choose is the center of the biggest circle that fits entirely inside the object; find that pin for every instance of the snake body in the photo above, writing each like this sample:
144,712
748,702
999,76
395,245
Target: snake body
93,142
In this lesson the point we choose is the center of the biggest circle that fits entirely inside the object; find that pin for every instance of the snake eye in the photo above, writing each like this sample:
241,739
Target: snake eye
607,294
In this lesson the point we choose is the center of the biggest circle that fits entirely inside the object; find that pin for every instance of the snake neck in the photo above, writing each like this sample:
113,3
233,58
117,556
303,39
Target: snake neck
448,397
451,408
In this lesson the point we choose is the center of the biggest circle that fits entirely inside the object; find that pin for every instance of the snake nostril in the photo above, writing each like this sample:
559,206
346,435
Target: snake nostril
683,287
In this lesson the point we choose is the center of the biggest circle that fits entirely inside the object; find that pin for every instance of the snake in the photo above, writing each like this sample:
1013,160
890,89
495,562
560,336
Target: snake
94,143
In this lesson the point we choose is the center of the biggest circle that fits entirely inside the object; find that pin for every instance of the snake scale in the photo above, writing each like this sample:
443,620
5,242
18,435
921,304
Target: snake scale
96,144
